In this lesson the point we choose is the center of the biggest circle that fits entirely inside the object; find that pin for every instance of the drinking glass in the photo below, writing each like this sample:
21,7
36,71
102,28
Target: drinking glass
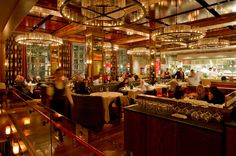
107,89
101,89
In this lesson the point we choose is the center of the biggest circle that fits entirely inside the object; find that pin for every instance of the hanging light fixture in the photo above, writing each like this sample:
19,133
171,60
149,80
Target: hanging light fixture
140,51
102,13
173,45
207,43
107,46
178,32
41,39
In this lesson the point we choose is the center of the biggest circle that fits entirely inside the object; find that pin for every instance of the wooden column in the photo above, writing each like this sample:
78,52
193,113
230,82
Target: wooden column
131,64
113,64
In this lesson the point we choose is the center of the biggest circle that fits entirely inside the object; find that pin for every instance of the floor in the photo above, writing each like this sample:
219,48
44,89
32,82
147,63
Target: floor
40,135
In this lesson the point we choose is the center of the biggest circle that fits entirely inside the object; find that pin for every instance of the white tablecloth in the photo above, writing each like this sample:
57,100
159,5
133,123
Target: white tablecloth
132,93
108,97
31,87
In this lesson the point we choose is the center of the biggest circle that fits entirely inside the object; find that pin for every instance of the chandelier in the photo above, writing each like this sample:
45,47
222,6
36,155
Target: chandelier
140,51
210,43
173,45
178,33
41,39
102,13
109,47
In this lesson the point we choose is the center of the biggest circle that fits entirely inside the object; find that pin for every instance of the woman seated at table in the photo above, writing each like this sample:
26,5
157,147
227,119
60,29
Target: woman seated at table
200,94
215,96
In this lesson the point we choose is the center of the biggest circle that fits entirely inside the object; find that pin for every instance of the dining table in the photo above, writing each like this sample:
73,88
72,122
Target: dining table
132,92
31,87
107,97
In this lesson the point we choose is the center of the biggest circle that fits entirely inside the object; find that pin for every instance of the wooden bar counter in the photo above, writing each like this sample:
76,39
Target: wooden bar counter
149,134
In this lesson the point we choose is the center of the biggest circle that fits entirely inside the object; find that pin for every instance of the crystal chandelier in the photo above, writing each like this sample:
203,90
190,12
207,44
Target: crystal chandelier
173,45
107,46
102,13
178,33
41,39
207,43
140,51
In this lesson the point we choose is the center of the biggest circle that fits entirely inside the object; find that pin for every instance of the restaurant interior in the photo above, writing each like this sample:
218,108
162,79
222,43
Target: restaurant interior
118,78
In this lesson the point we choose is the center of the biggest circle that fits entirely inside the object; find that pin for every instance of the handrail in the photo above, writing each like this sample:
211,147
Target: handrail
85,144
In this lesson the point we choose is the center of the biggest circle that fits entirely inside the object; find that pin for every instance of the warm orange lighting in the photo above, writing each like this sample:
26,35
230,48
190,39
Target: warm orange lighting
22,146
13,129
16,148
26,121
8,130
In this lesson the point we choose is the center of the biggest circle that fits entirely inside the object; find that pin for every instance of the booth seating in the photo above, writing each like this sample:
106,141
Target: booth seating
88,111
225,86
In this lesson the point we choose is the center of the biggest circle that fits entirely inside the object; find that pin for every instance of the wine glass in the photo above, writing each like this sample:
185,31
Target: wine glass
101,89
107,89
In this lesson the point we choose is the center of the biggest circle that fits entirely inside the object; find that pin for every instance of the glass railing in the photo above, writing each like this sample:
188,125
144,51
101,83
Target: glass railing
45,134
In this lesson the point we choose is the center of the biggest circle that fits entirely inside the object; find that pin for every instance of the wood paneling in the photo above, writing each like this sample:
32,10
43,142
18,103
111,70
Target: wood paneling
230,141
135,133
198,142
153,136
160,134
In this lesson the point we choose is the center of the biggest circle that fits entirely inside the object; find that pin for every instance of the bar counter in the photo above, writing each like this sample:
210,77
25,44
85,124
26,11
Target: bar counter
149,134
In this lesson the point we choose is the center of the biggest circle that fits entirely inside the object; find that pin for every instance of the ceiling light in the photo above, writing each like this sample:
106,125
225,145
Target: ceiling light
178,33
102,13
41,39
212,42
139,51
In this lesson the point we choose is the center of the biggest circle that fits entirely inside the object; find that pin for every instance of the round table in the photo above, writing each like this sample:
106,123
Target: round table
108,97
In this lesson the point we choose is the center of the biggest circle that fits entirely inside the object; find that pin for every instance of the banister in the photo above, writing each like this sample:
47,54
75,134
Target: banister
82,142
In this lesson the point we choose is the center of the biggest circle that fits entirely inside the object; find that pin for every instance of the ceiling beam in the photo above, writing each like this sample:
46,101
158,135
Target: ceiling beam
210,9
42,22
73,39
221,32
129,39
213,20
69,29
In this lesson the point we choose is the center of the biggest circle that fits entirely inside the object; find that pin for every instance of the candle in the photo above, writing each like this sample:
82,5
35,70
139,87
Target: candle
16,148
8,130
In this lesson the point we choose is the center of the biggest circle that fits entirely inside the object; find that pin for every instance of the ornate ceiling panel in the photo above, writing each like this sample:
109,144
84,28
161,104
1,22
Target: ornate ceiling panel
217,16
